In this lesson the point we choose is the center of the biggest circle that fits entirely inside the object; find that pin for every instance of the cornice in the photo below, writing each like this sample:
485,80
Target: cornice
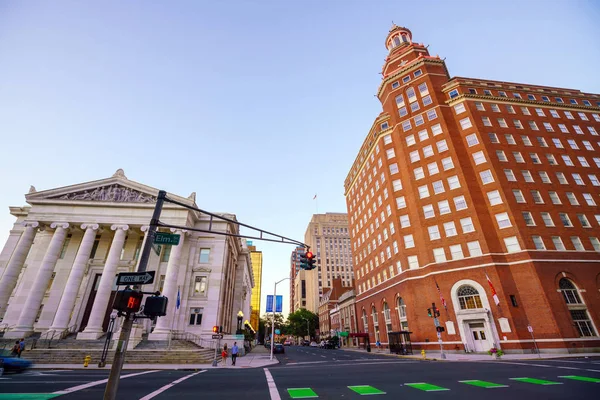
419,62
512,100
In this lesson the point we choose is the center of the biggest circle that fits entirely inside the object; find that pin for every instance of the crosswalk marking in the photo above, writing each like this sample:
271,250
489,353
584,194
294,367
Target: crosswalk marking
365,390
302,393
581,378
536,381
427,387
483,384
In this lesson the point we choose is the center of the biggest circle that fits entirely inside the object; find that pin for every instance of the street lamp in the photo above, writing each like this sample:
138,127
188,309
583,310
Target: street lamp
273,316
307,327
240,317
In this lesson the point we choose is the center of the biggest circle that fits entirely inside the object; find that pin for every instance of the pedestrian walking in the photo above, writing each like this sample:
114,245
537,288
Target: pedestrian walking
224,354
14,352
21,347
234,353
378,344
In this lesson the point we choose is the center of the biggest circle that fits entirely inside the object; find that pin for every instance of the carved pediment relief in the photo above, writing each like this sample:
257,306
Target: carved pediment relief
111,193
201,269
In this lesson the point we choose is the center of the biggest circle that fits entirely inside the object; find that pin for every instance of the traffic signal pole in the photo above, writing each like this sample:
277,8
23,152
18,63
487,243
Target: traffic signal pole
436,323
110,393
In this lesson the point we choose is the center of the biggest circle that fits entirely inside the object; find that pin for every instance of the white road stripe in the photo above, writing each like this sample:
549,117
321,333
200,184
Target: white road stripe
546,366
272,387
170,385
96,383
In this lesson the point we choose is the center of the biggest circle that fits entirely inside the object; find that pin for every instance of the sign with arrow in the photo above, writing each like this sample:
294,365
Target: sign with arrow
135,278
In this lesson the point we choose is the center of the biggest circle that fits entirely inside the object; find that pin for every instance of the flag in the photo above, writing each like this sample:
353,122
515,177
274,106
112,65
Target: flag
441,297
314,198
494,294
178,300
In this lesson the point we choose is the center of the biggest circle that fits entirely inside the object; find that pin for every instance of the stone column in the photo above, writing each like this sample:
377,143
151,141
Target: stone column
164,324
13,268
38,290
67,301
93,329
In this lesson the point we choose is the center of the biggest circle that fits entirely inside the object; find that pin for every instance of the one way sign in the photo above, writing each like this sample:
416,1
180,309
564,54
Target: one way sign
135,278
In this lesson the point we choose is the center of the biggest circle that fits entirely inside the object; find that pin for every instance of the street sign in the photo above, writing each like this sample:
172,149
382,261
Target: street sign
135,278
439,335
217,336
436,322
269,303
277,332
166,238
530,328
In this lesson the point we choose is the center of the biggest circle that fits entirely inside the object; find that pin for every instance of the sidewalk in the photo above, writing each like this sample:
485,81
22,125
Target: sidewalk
257,358
435,355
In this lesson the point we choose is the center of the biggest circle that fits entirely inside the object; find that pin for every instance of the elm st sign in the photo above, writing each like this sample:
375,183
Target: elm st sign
166,238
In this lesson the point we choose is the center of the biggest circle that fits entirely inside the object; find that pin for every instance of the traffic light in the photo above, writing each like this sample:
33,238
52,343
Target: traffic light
440,329
156,306
429,313
310,257
128,301
304,260
215,329
436,312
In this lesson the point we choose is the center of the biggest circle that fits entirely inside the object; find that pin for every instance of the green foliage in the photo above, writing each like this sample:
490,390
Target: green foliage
299,321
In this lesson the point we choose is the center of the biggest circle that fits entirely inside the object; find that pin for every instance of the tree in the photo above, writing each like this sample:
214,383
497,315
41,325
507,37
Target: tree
302,322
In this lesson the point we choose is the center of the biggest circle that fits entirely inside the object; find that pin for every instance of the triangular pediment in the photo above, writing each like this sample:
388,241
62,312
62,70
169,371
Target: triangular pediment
116,189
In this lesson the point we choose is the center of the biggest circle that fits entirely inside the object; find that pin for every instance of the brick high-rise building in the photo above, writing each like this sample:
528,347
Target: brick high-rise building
461,179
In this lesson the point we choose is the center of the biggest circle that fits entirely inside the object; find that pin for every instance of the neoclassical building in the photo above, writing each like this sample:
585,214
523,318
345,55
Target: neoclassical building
58,266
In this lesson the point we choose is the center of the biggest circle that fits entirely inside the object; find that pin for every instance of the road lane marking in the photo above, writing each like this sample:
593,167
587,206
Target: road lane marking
426,387
543,365
27,396
302,393
272,386
581,378
536,381
365,390
169,386
483,384
96,383
323,356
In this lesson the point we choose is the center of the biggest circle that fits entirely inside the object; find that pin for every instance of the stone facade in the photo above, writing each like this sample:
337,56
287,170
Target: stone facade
58,266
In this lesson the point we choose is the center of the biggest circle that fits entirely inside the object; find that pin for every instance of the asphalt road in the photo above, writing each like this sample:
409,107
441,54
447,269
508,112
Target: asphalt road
328,374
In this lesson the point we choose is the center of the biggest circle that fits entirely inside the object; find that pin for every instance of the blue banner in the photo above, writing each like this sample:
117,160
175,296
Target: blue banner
279,304
270,303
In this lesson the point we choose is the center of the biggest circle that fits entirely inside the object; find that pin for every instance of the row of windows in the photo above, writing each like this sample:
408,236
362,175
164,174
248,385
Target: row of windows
406,79
466,123
472,140
479,158
504,222
559,245
460,108
554,197
487,177
454,93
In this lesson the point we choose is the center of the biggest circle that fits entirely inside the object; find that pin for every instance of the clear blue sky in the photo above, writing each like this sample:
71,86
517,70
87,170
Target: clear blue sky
255,105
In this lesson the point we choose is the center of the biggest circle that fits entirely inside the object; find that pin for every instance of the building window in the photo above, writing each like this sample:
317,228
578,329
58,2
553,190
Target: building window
456,252
468,298
486,177
200,286
503,220
538,243
512,244
204,256
494,197
413,262
513,300
558,243
196,316
577,308
474,249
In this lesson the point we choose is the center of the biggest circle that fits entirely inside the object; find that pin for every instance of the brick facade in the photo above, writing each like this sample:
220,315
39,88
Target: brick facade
462,177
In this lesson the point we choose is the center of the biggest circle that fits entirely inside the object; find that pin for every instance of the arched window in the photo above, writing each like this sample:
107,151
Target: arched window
404,40
569,291
577,308
365,320
374,315
402,314
468,297
386,312
396,41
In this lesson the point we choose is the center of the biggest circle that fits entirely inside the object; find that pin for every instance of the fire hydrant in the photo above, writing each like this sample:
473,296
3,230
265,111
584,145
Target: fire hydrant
423,353
86,360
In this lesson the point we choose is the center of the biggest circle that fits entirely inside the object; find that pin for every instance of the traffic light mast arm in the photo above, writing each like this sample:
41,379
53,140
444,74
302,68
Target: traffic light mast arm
281,239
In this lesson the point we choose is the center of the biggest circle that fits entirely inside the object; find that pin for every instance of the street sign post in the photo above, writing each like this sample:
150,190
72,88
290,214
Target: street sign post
436,322
157,248
166,238
135,278
217,336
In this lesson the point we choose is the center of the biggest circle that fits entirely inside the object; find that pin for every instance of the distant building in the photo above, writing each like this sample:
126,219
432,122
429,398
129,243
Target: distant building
483,193
329,239
327,304
58,266
296,301
257,264
347,312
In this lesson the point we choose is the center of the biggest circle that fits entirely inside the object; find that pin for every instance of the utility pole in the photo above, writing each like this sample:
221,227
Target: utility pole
110,393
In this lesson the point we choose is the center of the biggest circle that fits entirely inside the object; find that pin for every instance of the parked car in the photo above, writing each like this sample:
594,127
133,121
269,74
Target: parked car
314,344
287,343
278,348
305,343
13,364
